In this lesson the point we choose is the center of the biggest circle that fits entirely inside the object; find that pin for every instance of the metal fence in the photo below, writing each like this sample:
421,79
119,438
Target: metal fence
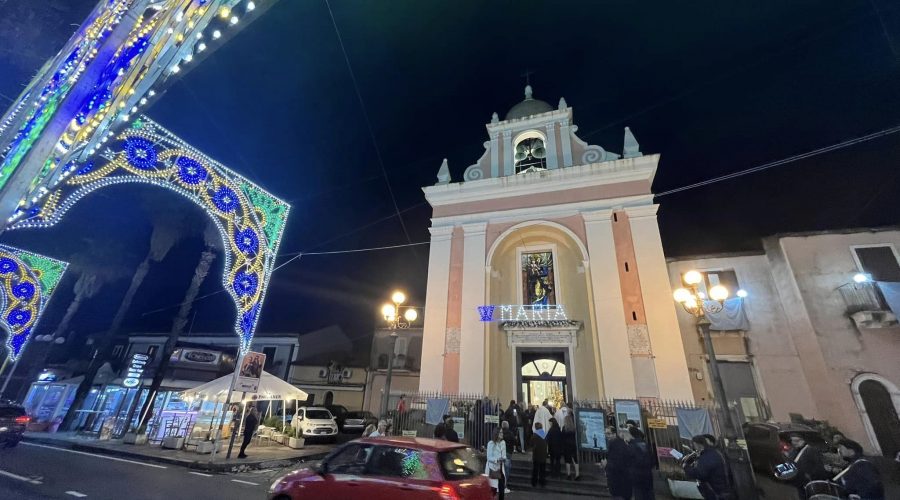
476,417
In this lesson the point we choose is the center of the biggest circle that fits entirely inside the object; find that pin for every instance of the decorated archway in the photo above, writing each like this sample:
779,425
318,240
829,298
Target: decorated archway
27,281
250,220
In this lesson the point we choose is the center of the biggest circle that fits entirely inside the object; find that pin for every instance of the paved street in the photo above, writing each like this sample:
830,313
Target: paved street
33,471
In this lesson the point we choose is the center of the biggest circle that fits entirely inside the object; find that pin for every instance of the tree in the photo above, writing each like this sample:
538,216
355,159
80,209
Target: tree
211,240
169,226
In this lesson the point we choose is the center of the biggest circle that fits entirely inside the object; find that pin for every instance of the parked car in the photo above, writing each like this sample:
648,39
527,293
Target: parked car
340,414
313,422
356,421
13,420
768,443
390,469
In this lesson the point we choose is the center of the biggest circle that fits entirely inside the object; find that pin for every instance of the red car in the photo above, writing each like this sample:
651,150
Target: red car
390,468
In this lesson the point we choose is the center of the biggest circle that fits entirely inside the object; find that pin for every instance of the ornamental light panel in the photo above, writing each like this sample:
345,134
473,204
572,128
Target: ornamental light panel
123,55
250,220
28,281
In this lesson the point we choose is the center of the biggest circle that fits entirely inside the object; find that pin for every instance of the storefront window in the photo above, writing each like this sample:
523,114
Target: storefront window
45,411
538,278
35,394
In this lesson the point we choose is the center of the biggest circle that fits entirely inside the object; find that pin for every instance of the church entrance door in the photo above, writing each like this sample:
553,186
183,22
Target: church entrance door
543,374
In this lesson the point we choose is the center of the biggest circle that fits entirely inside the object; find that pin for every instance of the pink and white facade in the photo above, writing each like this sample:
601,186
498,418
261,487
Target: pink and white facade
568,230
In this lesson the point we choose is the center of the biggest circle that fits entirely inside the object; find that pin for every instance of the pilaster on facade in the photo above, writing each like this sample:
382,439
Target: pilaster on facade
473,335
552,152
612,334
435,321
507,153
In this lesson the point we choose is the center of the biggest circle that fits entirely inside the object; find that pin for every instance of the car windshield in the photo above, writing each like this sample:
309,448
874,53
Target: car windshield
460,463
358,414
318,414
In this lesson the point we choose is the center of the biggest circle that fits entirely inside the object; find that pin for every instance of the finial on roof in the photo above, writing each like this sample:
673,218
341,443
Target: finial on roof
631,148
443,175
528,92
562,103
495,118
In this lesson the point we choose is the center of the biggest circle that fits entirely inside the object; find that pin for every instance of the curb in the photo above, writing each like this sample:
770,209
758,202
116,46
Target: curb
196,464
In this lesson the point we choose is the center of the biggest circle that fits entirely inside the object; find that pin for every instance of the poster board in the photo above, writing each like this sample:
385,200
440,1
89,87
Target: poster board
591,428
627,409
249,372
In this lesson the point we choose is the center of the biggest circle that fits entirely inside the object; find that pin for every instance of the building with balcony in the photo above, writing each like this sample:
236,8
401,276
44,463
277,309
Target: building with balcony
819,335
407,366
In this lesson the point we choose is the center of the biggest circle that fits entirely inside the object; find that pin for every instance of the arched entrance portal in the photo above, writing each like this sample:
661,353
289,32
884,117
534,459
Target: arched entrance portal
27,281
250,220
544,375
878,400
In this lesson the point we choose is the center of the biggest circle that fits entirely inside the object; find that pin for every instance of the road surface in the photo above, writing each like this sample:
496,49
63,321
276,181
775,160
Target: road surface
33,471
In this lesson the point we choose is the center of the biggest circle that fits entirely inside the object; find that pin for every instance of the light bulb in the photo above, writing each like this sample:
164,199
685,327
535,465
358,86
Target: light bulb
398,297
692,277
860,278
388,310
682,295
718,292
410,315
742,293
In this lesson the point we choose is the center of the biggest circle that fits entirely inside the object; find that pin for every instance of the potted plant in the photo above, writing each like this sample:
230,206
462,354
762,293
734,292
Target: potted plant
136,436
293,441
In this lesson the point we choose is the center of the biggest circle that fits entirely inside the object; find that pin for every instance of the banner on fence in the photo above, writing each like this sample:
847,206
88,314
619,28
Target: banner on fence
656,423
410,433
628,410
492,419
693,422
435,409
591,426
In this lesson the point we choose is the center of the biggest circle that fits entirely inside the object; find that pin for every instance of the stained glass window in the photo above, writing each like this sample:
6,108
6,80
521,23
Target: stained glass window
538,278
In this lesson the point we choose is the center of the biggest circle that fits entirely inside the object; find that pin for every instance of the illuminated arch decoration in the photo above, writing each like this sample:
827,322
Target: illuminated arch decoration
250,220
27,281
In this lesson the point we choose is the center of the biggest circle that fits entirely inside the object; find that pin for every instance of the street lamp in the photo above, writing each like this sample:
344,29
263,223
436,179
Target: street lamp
395,321
692,300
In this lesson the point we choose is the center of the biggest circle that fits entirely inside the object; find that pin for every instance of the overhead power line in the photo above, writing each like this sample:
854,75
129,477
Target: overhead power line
790,159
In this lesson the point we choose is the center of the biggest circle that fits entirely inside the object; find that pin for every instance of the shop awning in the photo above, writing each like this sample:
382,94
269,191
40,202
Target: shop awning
270,387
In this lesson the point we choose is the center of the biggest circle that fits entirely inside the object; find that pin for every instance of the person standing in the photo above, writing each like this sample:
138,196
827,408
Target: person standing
810,464
450,434
496,463
529,421
570,447
251,422
538,456
513,415
709,470
641,466
381,430
510,439
554,446
542,416
618,465
861,477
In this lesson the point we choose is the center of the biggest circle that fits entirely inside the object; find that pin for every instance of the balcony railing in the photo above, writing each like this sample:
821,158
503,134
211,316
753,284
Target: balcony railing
862,297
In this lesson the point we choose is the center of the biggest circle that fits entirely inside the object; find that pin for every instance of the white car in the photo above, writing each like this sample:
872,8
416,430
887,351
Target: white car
315,422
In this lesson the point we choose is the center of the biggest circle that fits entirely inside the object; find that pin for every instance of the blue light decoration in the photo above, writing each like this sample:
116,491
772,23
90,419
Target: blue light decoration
250,220
27,281
524,312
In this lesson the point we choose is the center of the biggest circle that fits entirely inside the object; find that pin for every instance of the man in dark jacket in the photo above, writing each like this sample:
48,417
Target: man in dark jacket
641,465
251,421
538,456
710,470
861,477
449,433
618,465
513,415
810,464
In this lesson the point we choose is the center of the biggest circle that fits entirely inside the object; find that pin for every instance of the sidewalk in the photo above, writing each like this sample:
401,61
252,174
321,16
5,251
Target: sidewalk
259,457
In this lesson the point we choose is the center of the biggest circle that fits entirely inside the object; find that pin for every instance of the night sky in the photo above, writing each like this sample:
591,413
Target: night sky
714,87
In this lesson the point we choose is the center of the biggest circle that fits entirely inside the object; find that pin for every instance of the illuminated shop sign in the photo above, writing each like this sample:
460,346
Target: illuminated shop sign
135,370
525,312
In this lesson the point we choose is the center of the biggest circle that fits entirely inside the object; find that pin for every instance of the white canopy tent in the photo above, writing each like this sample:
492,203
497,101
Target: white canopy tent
271,388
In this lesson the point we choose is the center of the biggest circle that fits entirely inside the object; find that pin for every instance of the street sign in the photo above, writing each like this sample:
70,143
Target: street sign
657,423
249,372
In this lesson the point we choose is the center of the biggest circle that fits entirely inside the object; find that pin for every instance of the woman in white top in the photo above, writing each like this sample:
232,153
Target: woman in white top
381,431
496,460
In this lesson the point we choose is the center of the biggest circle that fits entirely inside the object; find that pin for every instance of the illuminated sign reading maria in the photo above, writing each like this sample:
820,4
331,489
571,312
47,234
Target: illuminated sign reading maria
526,312
135,370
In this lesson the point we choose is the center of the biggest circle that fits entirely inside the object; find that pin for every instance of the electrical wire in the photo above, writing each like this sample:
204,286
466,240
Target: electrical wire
365,113
783,161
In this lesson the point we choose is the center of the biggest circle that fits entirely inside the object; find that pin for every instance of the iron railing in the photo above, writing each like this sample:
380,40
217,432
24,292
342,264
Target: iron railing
863,296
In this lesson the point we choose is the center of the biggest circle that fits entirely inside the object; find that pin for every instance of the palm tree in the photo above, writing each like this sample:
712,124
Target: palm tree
169,224
211,240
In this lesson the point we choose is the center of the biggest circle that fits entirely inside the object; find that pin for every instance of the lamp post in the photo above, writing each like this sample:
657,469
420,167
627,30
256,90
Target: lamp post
692,299
395,321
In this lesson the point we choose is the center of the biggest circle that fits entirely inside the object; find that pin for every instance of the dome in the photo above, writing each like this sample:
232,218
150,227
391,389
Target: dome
528,107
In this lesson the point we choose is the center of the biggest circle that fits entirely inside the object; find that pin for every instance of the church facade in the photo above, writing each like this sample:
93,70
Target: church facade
546,276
